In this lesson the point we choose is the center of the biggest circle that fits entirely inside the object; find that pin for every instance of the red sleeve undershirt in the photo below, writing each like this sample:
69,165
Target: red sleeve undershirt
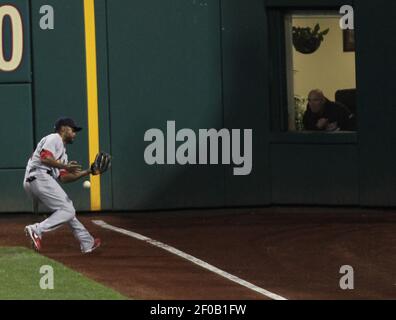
44,154
62,173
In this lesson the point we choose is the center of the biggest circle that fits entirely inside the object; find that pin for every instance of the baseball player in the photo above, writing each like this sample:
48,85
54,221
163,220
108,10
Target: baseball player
47,167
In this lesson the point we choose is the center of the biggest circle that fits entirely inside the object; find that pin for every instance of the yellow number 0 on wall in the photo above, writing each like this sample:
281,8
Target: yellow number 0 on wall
17,38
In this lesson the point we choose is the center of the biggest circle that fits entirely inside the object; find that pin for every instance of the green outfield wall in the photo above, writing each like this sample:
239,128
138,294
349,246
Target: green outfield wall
203,64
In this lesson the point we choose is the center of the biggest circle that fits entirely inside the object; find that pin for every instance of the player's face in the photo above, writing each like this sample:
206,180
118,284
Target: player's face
70,135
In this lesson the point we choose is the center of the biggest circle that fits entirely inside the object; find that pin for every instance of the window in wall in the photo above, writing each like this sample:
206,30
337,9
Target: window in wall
320,72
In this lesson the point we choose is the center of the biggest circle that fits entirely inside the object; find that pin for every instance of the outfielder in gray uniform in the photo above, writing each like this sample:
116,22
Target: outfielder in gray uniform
47,167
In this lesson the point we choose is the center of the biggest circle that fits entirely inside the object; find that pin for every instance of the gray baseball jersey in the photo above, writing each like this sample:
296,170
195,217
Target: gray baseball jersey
52,143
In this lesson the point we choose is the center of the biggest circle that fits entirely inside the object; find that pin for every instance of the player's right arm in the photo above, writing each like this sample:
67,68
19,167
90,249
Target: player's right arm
67,177
48,160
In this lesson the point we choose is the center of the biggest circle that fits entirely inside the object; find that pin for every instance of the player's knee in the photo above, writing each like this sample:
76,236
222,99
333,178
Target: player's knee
70,211
68,207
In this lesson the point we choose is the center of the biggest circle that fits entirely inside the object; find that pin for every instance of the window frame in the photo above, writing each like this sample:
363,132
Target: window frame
279,128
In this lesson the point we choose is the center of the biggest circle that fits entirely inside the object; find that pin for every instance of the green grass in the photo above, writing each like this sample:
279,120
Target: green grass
20,279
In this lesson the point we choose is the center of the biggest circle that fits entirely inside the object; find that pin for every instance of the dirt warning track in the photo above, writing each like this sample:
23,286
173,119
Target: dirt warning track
290,252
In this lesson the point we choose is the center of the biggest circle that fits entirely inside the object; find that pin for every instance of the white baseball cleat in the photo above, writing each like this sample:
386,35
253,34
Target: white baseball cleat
34,238
96,245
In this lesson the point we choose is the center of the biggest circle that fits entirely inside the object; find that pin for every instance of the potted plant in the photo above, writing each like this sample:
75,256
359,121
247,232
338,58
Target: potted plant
300,106
306,40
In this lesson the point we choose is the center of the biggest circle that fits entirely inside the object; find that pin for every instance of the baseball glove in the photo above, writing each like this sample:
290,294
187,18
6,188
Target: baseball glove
101,164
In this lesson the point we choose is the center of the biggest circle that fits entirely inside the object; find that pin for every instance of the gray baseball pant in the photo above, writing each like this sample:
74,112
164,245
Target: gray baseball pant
48,191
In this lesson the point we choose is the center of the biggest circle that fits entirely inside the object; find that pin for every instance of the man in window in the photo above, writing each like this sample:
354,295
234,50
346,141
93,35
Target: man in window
325,115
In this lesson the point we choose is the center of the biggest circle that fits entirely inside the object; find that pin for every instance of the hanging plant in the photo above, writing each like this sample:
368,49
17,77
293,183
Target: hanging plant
306,40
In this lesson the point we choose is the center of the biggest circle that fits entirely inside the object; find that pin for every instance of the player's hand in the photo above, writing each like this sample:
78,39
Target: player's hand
101,163
322,123
73,167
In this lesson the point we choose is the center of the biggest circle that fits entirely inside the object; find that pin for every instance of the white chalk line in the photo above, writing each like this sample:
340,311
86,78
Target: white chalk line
190,258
